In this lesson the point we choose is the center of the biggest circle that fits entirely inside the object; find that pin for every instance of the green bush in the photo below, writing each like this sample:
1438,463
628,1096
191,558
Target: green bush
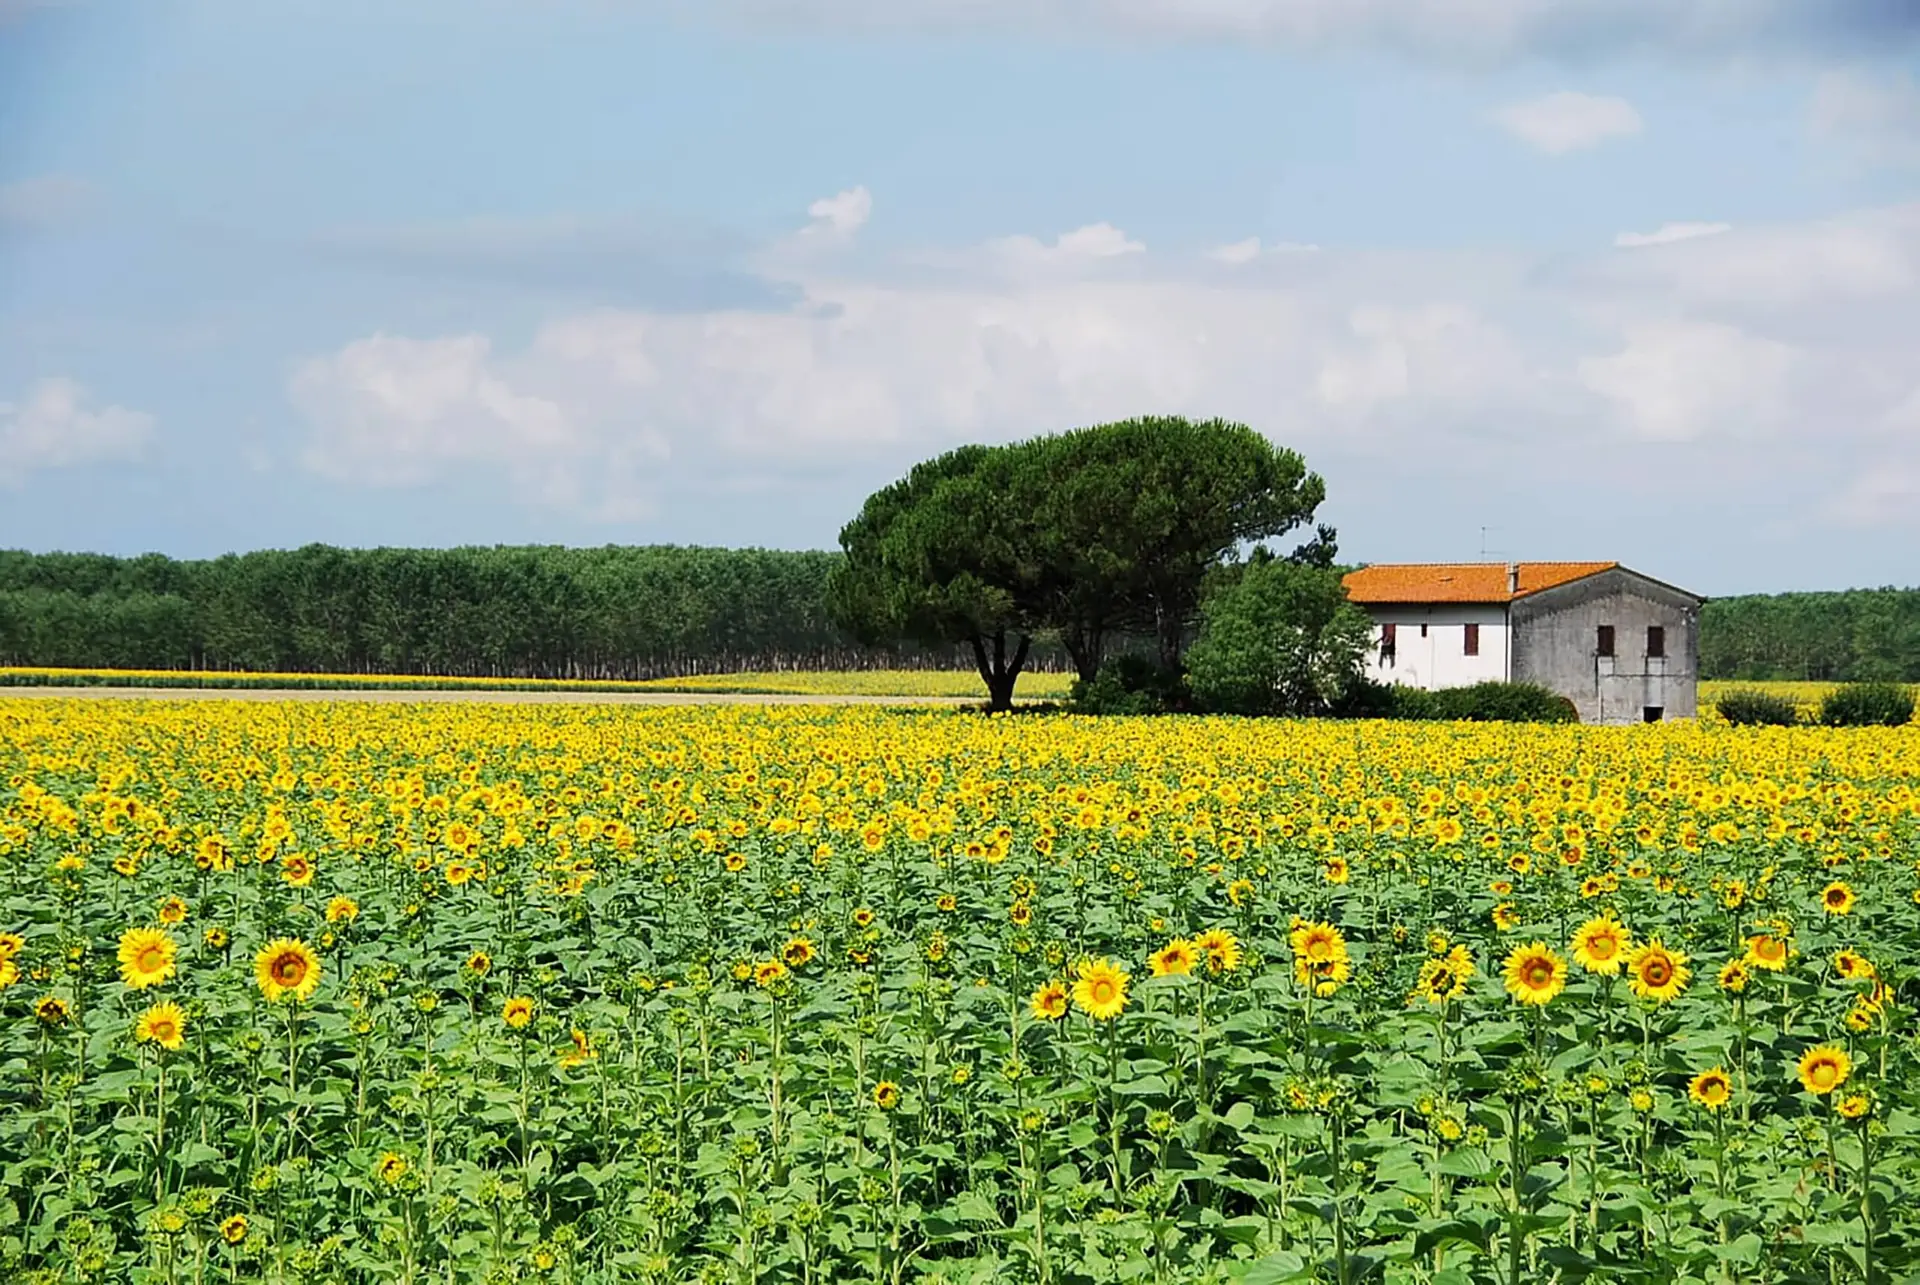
1480,703
1868,705
1502,703
1130,685
1748,707
1277,637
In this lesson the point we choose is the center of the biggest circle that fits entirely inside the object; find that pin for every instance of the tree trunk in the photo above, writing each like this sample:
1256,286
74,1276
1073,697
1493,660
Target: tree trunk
1000,672
1086,647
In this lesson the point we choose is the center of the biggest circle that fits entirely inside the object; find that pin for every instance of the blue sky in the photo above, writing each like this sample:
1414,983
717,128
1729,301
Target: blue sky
1616,279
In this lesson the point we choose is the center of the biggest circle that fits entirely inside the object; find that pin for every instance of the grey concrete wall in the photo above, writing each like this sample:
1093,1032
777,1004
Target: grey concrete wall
1556,644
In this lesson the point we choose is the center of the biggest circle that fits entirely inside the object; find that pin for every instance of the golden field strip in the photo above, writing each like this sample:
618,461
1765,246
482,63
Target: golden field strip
929,684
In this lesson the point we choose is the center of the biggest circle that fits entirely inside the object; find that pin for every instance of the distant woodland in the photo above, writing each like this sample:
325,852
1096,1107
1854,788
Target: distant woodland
645,612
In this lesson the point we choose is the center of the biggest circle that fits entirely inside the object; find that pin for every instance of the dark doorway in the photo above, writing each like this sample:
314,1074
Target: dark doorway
1653,713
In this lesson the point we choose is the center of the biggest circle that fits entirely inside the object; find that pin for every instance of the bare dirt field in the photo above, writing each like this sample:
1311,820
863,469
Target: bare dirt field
403,697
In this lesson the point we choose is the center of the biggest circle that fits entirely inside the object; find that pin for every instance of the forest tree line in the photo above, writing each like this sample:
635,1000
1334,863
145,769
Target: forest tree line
655,611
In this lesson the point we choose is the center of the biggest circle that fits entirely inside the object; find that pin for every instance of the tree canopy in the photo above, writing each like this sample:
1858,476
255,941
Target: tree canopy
1083,536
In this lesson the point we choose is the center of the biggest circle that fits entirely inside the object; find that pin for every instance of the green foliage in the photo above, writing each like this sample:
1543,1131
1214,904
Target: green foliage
1748,707
1491,702
1277,637
1501,703
540,612
1858,635
1133,517
1868,705
949,555
1131,684
1087,535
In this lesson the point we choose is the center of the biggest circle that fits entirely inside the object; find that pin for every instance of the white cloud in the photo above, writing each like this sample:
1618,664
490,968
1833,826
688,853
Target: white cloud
1667,233
1682,380
1874,115
48,200
57,427
1431,30
1089,244
1782,338
392,411
1568,122
1250,249
845,213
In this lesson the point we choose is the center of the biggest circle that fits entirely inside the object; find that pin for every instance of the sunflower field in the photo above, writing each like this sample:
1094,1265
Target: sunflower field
318,992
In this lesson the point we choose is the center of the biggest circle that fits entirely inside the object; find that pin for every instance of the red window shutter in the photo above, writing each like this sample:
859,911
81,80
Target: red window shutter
1473,640
1387,638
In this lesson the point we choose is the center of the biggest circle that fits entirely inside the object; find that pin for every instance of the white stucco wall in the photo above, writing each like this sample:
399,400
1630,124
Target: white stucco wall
1439,658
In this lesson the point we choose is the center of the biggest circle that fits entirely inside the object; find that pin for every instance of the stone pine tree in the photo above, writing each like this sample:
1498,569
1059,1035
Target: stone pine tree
1137,513
946,556
1086,536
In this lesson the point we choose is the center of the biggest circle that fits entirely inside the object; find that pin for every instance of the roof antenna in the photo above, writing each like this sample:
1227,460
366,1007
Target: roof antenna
1484,550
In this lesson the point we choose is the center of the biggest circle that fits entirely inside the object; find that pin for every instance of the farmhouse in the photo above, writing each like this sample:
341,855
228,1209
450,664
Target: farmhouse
1623,647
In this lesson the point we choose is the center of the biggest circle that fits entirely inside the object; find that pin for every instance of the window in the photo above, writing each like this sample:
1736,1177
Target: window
1473,640
1423,631
1603,645
1387,640
1656,641
1652,714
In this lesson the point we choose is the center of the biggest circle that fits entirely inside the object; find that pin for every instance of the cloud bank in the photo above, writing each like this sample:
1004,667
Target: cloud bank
1777,343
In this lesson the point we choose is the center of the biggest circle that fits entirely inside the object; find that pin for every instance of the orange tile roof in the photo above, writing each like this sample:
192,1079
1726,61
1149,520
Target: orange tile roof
1461,581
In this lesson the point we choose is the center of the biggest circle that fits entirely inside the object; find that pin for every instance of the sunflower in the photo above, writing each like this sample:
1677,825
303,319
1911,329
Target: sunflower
1734,975
1100,990
886,1095
1824,1069
1853,1106
9,973
1020,913
287,966
163,1024
1764,950
1317,943
1175,959
1711,1089
1837,898
1656,973
391,1168
1335,870
1222,949
1441,981
479,963
517,1012
1601,944
52,1011
947,903
1049,1003
1505,917
797,953
342,910
863,918
579,1049
173,911
767,972
1534,973
146,957
234,1229
735,862
1854,966
297,869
